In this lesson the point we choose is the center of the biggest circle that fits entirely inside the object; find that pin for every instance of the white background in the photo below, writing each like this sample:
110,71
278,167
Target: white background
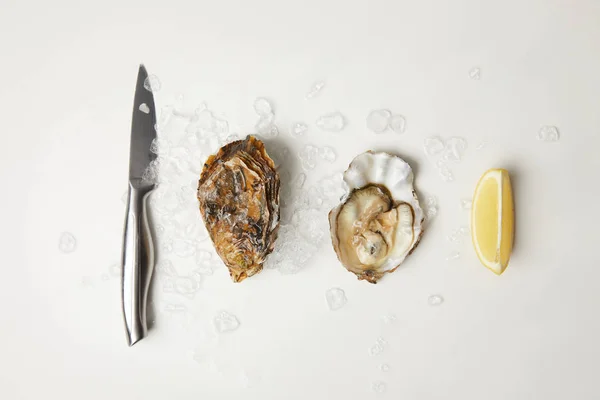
67,77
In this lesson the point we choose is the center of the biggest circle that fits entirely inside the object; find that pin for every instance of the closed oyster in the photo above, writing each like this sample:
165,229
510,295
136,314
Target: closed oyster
238,193
379,221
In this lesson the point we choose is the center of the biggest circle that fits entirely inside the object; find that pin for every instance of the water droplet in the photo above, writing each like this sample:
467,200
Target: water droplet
466,204
378,120
379,387
433,145
398,123
481,145
263,107
384,367
298,129
336,298
548,133
333,122
226,322
104,276
315,89
453,256
152,83
67,243
435,300
475,73
144,108
327,153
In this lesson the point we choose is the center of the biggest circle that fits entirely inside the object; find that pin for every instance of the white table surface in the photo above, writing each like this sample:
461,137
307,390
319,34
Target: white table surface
68,71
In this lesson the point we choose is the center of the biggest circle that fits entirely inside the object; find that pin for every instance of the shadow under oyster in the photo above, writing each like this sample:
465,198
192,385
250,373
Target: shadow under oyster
238,194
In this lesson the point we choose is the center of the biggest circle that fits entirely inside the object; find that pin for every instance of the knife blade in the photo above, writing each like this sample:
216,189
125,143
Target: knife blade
138,249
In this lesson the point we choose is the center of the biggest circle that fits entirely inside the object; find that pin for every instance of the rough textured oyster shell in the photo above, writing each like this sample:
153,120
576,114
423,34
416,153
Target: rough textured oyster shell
238,193
379,220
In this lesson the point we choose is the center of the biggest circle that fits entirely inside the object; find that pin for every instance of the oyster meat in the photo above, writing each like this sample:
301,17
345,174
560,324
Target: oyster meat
238,194
379,220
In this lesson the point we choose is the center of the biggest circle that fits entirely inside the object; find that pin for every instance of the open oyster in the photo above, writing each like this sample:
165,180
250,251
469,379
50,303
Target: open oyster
238,193
379,221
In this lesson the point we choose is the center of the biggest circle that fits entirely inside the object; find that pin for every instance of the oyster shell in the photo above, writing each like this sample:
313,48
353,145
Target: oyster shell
238,193
379,220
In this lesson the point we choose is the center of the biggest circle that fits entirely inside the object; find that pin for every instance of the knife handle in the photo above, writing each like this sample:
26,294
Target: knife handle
137,263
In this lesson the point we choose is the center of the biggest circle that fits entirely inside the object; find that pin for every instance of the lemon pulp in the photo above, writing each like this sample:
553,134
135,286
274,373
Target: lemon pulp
492,220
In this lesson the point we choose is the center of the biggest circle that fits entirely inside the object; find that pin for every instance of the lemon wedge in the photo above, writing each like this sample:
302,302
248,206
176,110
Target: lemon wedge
493,220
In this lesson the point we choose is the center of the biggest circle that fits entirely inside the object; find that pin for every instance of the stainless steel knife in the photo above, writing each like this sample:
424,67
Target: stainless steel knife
138,250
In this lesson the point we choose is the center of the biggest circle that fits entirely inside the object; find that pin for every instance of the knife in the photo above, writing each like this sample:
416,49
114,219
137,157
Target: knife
138,250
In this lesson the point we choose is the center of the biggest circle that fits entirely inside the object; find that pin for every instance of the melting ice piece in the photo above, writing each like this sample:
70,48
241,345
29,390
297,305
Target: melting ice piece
262,106
378,347
453,256
308,156
435,300
481,145
226,322
203,261
67,242
548,133
475,73
431,207
388,319
115,270
333,122
144,108
398,123
186,285
166,268
379,387
315,89
266,127
384,367
327,153
160,147
299,181
466,204
433,145
455,147
336,298
298,129
152,83
445,172
378,120
175,308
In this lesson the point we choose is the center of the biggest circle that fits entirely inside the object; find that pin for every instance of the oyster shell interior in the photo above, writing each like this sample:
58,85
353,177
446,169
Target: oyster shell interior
238,194
379,221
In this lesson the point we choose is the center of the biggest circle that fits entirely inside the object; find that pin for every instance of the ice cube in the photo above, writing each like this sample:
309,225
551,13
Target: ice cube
336,298
378,120
333,122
